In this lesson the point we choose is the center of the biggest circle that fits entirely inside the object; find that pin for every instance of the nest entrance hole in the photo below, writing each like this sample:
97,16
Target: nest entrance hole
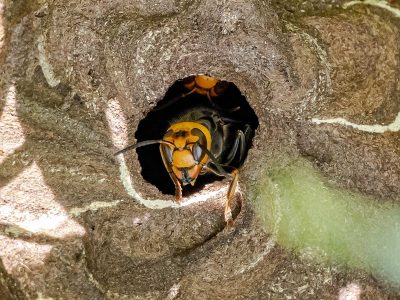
167,111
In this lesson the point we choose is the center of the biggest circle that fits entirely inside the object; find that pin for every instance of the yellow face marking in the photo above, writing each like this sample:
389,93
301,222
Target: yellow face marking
180,142
183,159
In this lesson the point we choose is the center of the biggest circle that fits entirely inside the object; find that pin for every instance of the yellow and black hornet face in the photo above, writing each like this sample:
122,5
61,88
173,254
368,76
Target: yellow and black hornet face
183,153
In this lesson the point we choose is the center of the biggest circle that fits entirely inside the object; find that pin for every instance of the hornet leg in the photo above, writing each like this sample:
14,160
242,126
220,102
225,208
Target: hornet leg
241,140
234,175
178,187
231,193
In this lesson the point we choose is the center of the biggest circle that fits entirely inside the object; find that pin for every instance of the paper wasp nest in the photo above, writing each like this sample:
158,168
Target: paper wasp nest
77,78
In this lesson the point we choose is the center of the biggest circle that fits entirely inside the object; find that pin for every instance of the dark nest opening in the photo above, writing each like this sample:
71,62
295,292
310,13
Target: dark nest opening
168,110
